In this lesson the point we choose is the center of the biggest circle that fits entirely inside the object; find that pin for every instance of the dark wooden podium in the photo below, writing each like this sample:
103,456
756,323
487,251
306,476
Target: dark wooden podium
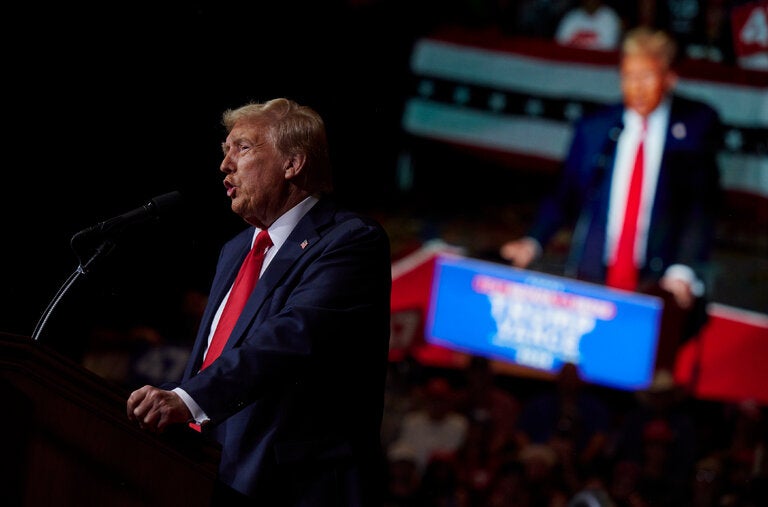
65,440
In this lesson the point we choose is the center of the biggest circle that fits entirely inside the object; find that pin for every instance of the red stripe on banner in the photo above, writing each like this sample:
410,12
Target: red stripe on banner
749,206
726,362
504,158
495,40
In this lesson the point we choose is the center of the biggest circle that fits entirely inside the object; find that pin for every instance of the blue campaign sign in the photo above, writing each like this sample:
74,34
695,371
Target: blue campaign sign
544,321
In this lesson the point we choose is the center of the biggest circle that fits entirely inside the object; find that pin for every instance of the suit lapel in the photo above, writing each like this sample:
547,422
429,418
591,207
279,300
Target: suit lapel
660,212
586,259
302,239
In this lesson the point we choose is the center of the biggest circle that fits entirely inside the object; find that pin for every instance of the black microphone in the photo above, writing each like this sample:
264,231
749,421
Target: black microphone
99,240
156,207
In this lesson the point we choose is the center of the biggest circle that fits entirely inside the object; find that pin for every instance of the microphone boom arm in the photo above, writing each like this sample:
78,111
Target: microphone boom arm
107,231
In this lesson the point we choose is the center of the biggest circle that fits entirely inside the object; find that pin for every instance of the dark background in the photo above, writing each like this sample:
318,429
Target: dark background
111,105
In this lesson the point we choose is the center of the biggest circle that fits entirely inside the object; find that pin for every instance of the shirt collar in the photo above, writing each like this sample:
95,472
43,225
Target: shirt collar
282,227
658,116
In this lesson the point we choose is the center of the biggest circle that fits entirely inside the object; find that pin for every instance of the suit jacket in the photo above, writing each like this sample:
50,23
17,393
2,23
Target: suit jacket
687,195
296,397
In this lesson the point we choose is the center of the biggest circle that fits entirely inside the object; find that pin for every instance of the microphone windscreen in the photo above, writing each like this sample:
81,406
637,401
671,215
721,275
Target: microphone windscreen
166,202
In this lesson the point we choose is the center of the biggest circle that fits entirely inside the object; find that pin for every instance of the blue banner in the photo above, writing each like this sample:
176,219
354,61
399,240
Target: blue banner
543,321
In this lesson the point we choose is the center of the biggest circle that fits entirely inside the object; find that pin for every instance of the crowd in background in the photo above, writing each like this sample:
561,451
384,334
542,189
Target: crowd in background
473,438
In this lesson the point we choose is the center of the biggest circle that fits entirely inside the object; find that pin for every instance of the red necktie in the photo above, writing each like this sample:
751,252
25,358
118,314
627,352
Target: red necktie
622,273
241,290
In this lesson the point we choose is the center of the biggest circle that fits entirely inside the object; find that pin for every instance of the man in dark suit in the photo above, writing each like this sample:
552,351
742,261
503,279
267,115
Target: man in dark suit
295,397
678,195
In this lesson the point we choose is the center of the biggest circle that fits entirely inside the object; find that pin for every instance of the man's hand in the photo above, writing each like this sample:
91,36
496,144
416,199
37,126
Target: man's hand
680,290
520,252
154,409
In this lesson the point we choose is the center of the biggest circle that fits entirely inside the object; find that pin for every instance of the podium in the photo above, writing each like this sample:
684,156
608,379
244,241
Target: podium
66,440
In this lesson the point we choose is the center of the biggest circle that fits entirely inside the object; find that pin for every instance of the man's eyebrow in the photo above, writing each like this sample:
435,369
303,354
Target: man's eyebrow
237,140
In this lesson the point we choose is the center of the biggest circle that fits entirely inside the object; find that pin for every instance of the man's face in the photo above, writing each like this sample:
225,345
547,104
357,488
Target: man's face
644,82
255,174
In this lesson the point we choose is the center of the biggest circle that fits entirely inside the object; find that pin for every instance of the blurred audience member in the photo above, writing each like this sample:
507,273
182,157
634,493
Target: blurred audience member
478,461
437,428
624,483
483,400
403,477
509,486
542,475
660,436
716,43
166,355
591,497
400,396
593,24
662,480
683,19
571,421
136,353
746,456
538,18
440,485
708,483
700,27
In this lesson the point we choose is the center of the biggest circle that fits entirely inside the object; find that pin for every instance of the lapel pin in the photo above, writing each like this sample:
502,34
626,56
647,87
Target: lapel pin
304,244
678,131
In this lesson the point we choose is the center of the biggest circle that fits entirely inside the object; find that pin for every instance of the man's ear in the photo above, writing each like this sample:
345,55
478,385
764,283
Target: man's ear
294,165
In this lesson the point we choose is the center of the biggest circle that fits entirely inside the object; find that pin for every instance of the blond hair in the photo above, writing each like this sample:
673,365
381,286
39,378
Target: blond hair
650,42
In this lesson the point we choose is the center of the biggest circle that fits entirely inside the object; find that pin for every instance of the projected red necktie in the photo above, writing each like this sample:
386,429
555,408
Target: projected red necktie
622,273
241,289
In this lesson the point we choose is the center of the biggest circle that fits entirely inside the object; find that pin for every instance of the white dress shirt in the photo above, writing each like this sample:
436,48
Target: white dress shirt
626,150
